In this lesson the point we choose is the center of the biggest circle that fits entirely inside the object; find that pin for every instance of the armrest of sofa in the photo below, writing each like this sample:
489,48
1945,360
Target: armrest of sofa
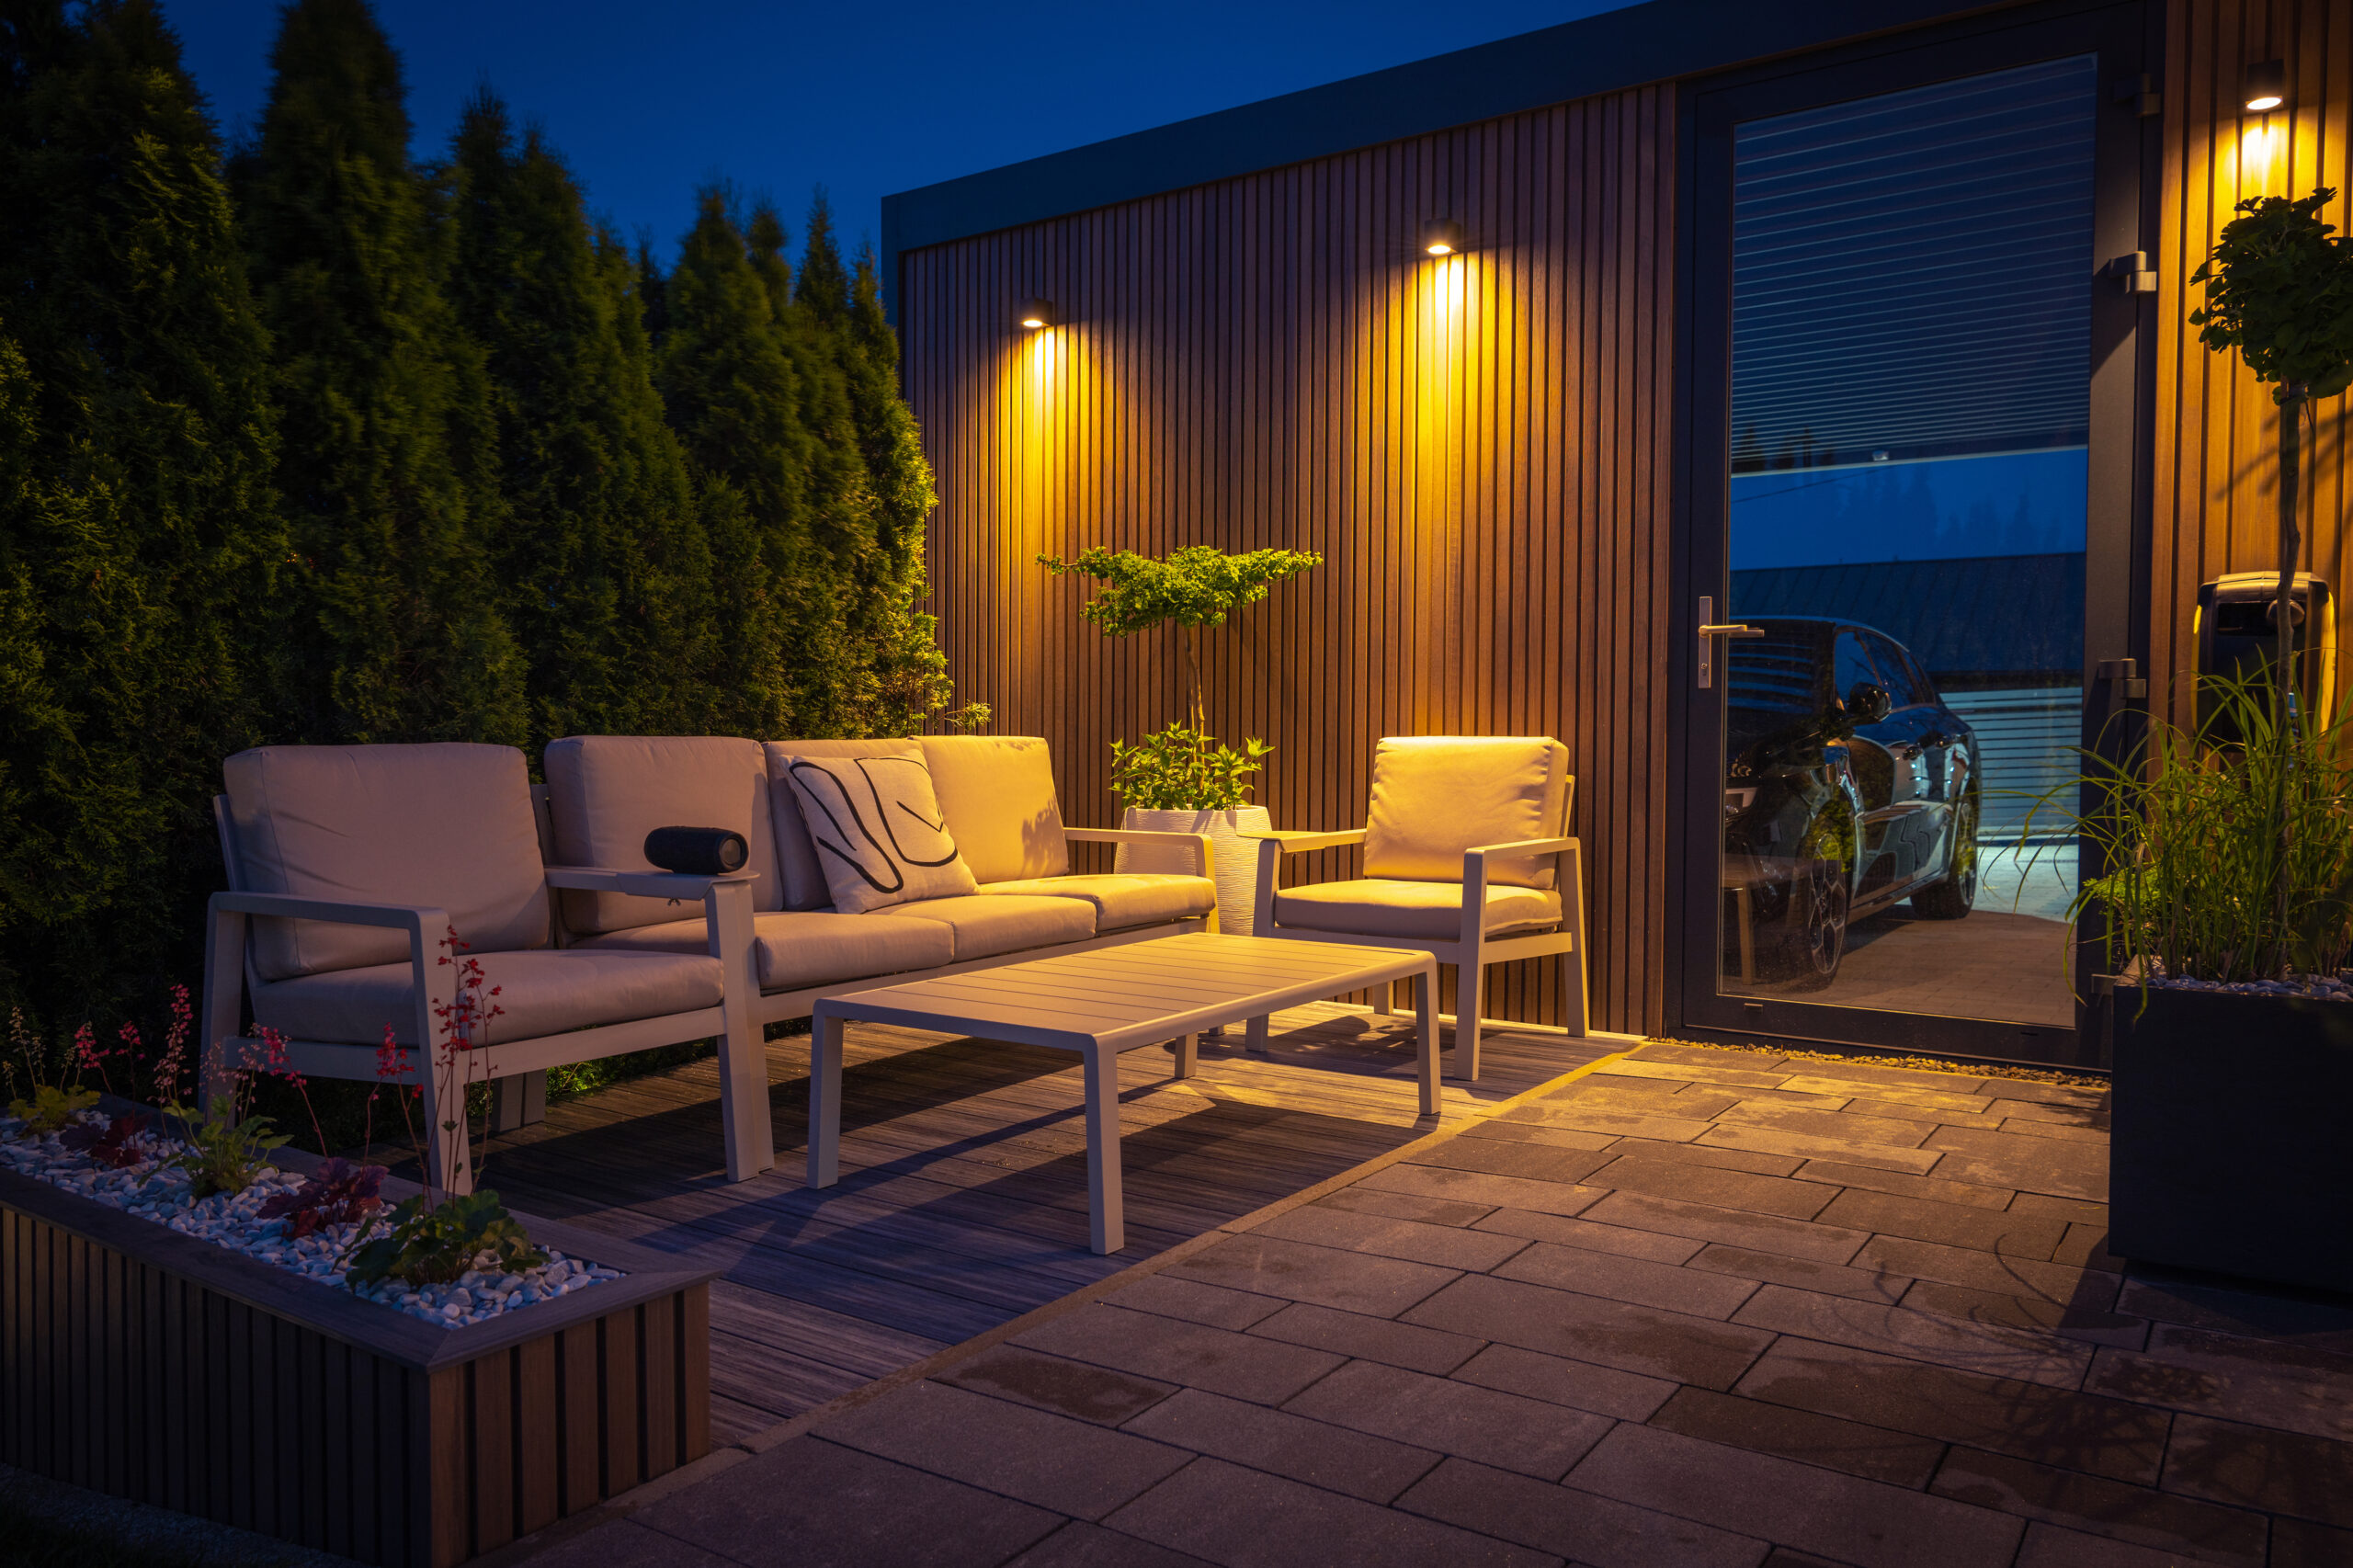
1204,853
643,884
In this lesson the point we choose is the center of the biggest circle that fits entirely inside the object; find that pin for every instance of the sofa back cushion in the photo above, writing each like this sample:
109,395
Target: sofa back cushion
797,866
607,792
1435,795
875,825
449,825
996,794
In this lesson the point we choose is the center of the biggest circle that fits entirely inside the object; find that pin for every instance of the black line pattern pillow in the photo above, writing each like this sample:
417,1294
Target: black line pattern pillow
876,824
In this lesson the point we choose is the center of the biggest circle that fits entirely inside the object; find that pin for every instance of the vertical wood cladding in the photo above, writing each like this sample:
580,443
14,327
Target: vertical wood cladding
1477,445
2217,431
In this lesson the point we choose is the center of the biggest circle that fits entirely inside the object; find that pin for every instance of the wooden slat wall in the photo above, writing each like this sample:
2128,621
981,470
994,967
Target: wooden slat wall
1478,446
2216,495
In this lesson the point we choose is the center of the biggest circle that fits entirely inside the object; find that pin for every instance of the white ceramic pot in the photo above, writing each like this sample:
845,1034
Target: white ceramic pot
1238,857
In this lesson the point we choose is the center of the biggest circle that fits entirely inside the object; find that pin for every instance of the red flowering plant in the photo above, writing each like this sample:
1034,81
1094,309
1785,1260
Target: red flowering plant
54,1097
436,1236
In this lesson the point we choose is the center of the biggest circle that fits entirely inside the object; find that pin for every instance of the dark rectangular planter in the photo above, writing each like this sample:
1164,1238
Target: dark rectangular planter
2229,1151
150,1365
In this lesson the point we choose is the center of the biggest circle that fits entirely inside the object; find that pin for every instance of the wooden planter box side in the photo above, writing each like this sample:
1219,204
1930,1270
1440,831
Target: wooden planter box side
149,1365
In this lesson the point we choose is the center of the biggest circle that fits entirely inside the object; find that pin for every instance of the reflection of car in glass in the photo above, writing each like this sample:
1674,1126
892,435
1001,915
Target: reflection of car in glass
1850,787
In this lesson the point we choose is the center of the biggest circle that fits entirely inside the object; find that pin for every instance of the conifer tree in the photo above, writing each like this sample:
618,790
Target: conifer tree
605,566
138,531
390,466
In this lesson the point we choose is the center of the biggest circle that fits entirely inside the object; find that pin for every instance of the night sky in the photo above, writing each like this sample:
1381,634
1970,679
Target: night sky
647,102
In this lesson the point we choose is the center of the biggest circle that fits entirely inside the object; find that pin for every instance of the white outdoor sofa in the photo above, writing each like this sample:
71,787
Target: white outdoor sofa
1466,856
347,864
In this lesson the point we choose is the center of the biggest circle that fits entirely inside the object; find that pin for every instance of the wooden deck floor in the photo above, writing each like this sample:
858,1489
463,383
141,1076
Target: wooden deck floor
962,1202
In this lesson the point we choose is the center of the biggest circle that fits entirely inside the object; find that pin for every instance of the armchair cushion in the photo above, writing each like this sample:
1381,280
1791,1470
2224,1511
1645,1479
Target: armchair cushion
802,879
607,792
1386,908
986,925
996,794
1435,795
797,947
542,992
1122,900
876,825
450,825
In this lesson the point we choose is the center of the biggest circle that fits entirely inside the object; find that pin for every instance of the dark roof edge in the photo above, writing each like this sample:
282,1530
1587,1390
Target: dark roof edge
1615,50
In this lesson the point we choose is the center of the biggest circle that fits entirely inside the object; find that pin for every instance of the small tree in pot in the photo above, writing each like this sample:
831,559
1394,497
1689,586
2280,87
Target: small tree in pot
1181,777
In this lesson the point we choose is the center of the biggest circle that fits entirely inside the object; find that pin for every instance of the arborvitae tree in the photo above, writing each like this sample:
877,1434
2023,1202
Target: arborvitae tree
138,529
605,571
390,455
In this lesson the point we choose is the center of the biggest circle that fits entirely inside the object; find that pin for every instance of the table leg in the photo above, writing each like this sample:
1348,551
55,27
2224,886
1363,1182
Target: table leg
1108,1227
825,1102
1384,998
1188,1053
1426,1032
1257,1042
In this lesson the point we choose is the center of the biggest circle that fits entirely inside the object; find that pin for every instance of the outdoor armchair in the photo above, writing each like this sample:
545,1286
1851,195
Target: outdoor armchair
349,868
1465,857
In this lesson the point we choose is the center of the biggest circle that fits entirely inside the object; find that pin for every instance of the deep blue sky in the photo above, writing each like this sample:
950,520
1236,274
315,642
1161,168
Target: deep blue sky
648,102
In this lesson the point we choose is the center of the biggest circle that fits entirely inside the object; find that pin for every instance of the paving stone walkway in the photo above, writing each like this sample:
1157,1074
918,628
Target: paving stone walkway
1689,1307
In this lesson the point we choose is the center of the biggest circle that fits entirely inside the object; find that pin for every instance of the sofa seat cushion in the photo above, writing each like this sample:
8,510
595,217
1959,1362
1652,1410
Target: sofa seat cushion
986,925
542,992
1381,907
1121,902
797,948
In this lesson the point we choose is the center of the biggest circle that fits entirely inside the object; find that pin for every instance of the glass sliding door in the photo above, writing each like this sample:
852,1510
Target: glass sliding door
1897,549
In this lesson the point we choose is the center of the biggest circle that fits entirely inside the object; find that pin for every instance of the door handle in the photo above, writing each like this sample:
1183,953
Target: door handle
1710,631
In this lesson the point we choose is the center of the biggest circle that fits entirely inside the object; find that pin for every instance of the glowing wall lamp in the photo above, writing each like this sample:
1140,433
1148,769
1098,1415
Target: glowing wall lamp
2267,87
1441,236
1036,313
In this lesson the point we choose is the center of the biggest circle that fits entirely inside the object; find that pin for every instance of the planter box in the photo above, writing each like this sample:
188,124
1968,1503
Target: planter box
149,1365
1237,863
2229,1151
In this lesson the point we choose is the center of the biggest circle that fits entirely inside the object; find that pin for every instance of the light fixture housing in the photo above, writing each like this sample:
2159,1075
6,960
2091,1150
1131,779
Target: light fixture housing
1036,313
2267,87
1441,236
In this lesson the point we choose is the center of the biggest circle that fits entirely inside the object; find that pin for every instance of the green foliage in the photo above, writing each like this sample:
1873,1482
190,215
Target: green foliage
2193,835
1181,769
224,1151
2280,290
436,1245
1197,585
51,1107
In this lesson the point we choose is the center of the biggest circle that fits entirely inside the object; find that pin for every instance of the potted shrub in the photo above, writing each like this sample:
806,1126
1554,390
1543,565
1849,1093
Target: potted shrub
2226,909
1181,780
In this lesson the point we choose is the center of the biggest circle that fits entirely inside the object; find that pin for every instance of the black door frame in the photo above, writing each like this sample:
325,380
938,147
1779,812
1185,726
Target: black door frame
2127,36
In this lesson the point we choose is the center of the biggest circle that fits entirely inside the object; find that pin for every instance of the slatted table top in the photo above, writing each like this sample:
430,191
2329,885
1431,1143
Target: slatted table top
1138,994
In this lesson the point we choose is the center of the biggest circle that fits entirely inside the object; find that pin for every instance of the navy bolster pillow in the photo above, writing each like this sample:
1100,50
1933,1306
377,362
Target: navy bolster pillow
697,851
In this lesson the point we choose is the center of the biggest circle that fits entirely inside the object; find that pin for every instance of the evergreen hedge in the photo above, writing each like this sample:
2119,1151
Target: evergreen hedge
305,442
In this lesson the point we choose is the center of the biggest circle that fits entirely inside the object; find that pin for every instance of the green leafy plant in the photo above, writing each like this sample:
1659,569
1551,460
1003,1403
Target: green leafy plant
2192,835
433,1244
222,1151
1179,769
1182,767
52,1107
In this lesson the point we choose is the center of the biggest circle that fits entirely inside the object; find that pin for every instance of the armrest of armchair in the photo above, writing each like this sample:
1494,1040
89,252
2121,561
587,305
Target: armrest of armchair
1474,878
1197,844
1276,843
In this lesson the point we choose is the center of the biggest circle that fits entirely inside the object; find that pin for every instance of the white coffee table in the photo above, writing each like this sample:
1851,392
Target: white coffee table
1101,1003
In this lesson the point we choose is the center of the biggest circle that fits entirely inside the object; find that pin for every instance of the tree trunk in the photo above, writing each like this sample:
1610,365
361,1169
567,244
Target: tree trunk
2291,407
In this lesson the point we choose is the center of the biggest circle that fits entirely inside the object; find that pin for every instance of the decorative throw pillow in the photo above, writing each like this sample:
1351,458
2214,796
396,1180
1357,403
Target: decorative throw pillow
876,824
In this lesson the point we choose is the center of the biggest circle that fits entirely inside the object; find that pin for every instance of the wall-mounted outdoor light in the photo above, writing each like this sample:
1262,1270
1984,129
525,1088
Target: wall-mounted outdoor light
1036,313
1441,236
2267,87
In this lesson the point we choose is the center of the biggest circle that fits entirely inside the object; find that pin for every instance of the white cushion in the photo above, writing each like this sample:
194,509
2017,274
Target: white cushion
987,924
542,992
996,794
1435,795
876,825
449,825
607,792
802,948
803,879
1382,908
1122,900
